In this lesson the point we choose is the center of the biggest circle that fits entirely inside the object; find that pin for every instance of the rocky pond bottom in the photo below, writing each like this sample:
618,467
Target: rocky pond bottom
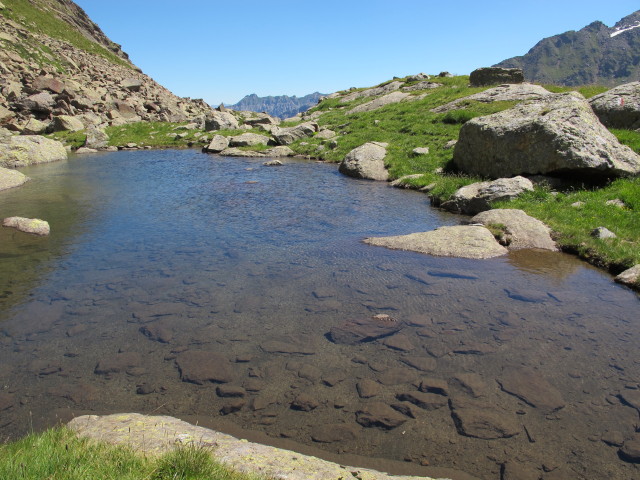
238,295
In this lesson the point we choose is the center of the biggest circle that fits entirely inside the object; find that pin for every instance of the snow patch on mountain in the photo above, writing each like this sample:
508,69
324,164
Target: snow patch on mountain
620,30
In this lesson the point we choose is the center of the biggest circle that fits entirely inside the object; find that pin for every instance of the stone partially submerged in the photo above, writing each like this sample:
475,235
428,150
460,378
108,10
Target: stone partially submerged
458,241
11,178
630,277
477,197
366,161
520,230
23,150
557,135
28,225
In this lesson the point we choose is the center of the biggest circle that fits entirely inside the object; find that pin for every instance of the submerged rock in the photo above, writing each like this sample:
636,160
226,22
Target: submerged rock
482,420
458,241
532,388
362,330
199,366
381,415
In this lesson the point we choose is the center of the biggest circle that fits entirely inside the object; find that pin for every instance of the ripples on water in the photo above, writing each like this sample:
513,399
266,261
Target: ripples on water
155,255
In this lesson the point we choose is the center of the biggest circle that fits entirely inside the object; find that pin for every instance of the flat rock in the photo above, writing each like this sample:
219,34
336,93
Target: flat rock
367,388
503,93
434,385
426,401
363,330
226,391
305,403
201,366
286,347
381,415
372,92
23,150
631,398
366,161
558,134
286,136
424,364
399,342
157,331
396,376
458,241
279,151
630,451
393,97
532,388
482,420
28,225
477,197
248,140
470,383
118,362
520,230
332,433
155,435
11,178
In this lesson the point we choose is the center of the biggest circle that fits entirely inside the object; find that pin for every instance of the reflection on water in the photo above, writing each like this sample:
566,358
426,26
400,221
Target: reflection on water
191,285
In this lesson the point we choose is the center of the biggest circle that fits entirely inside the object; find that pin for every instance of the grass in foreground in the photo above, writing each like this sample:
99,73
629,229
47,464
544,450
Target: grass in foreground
58,454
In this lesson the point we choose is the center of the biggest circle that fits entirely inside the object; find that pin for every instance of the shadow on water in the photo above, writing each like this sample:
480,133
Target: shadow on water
208,287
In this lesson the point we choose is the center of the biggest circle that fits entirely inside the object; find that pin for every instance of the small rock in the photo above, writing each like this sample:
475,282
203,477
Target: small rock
613,438
426,401
616,202
304,403
333,433
273,163
226,391
577,204
630,276
630,451
434,385
28,225
233,406
368,388
381,415
602,233
420,151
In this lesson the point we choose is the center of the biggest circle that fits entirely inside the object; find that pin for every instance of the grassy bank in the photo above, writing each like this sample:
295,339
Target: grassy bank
58,454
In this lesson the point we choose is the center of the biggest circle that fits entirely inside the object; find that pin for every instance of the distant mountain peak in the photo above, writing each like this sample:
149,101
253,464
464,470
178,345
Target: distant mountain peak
283,106
596,54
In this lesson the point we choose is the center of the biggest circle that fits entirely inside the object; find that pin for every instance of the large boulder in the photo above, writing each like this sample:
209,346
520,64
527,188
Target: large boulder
67,122
502,93
19,151
458,241
45,82
220,121
248,140
28,225
477,197
393,97
557,135
495,75
286,136
619,107
520,230
366,161
41,102
373,92
218,143
96,138
11,178
630,277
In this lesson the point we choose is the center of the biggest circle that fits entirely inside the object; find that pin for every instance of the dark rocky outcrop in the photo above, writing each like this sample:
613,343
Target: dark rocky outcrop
495,75
557,135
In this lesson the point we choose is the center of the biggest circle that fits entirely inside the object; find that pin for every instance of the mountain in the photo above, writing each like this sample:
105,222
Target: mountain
56,62
596,54
282,106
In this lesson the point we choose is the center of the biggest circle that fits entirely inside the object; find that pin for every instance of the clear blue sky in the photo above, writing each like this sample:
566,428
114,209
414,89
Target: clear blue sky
222,50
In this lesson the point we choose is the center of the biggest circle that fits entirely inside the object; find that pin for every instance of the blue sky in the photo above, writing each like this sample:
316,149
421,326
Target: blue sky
223,50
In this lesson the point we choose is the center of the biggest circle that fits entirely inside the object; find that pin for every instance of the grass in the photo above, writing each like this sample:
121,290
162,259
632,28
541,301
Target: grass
38,18
58,454
156,134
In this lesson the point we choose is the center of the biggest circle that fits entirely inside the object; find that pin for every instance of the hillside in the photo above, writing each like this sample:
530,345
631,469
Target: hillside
594,55
281,106
56,62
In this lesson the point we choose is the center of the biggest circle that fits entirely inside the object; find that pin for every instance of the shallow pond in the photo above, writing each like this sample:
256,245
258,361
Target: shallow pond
207,288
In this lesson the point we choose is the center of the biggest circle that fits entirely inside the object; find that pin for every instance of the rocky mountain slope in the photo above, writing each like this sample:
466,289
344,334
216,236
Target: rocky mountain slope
55,62
595,55
282,106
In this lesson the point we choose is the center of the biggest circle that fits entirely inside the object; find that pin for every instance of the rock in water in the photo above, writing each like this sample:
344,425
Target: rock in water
532,388
557,135
28,225
23,150
619,107
365,330
381,415
630,276
366,161
458,241
199,366
521,230
11,178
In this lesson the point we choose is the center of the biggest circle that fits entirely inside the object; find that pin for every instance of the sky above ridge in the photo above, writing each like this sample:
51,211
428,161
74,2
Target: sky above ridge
223,50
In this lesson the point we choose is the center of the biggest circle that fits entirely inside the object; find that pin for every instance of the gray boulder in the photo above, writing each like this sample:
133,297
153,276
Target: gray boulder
495,75
248,140
366,161
630,277
96,138
520,230
220,121
45,82
255,119
619,107
23,150
218,143
603,233
11,178
502,93
372,92
558,134
477,197
67,122
41,102
286,136
132,84
458,241
380,102
34,127
279,151
28,225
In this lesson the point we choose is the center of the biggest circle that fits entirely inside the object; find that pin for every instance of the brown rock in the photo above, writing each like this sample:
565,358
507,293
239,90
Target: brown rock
482,420
230,391
381,415
339,432
532,388
118,362
396,376
305,403
630,451
399,342
6,401
518,471
292,348
425,364
426,401
368,388
157,331
434,385
233,406
199,366
365,330
471,383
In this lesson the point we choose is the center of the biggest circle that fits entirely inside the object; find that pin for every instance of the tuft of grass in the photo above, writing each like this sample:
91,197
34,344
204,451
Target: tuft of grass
58,454
587,91
73,139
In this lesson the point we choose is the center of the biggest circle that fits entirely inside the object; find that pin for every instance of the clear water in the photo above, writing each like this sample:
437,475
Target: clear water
156,254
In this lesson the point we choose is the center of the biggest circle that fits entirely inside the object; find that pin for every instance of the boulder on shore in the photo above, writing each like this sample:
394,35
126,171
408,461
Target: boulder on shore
220,121
11,178
28,225
495,75
458,241
218,143
248,140
286,136
477,197
630,277
619,107
520,230
366,161
23,150
557,135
